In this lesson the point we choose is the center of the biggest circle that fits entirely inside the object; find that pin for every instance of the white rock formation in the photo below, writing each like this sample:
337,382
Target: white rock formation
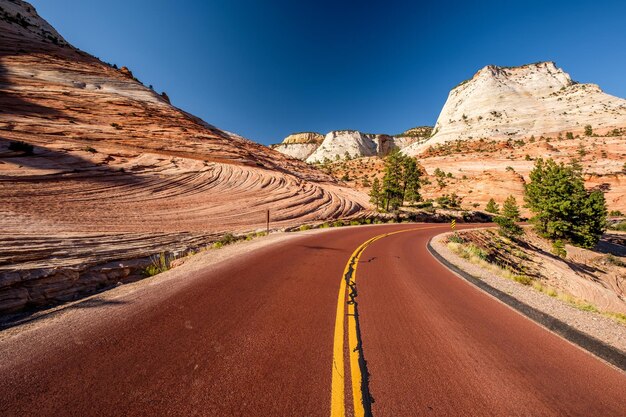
300,145
314,147
353,142
534,99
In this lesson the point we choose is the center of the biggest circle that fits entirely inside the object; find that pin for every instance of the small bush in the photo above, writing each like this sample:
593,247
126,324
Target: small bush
305,227
621,226
615,213
160,263
522,279
615,260
456,238
558,248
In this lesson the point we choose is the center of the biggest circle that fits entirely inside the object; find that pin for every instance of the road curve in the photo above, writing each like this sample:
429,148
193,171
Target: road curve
255,337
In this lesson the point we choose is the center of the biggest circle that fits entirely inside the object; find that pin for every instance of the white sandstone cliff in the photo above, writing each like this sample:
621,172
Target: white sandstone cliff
535,99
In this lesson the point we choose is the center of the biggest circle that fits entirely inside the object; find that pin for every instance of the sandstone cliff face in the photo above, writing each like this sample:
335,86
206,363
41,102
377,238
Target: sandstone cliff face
109,171
356,144
299,145
304,137
535,99
313,147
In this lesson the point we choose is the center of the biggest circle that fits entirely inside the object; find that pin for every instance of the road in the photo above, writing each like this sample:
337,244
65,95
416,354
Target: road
259,336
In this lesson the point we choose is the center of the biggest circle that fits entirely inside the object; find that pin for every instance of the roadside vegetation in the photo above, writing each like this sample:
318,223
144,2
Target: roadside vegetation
401,182
564,212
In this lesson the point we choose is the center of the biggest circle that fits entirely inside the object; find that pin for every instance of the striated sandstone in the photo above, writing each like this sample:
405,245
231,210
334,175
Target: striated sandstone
118,173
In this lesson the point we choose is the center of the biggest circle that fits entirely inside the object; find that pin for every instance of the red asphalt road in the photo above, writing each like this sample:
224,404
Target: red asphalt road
254,337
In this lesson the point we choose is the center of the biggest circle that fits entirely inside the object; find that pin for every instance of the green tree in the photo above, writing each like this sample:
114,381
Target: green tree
375,193
492,207
393,187
588,130
563,209
510,209
412,174
510,215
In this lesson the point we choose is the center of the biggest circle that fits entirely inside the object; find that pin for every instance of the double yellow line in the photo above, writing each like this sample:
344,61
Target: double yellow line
337,401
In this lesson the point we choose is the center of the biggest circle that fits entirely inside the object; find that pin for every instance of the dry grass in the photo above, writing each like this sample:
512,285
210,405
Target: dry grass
477,256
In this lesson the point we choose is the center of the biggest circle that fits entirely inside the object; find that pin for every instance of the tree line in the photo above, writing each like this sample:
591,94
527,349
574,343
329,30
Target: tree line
563,209
401,182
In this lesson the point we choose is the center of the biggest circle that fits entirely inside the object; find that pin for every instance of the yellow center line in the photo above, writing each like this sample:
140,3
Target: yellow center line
337,402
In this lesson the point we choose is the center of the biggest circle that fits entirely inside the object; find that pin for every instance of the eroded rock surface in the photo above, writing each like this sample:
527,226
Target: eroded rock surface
535,99
108,168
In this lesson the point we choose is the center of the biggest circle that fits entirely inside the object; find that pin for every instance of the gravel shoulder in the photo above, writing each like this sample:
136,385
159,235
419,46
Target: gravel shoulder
593,324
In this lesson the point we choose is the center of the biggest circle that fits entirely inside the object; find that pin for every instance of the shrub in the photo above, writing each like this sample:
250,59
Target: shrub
508,227
621,226
449,201
563,208
305,227
588,130
492,207
569,135
160,263
19,146
558,248
456,238
615,213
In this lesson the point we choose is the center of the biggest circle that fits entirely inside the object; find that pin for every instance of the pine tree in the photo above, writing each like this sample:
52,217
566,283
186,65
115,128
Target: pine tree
375,193
510,210
412,175
393,189
510,215
563,208
492,207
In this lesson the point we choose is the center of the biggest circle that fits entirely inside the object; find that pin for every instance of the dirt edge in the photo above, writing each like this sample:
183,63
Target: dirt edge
598,348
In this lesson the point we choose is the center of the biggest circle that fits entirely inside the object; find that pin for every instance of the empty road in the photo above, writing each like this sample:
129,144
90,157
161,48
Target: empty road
274,333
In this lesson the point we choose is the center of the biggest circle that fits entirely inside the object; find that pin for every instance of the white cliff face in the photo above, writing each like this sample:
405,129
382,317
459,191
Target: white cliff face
534,99
356,144
299,145
314,147
296,150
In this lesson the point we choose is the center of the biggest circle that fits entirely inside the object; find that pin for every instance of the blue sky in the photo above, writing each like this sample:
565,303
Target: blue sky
264,69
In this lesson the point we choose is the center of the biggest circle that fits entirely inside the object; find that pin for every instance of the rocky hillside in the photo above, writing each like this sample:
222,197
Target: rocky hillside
95,167
535,99
313,147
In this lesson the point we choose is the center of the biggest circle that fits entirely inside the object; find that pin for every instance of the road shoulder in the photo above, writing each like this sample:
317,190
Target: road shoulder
595,333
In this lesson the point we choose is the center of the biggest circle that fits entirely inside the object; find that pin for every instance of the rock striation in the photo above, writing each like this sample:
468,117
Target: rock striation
515,102
97,170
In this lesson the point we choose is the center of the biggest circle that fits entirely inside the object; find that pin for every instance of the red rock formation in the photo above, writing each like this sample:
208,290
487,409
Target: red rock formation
118,170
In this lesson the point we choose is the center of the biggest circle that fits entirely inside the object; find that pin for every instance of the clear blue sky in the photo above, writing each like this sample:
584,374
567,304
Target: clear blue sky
264,69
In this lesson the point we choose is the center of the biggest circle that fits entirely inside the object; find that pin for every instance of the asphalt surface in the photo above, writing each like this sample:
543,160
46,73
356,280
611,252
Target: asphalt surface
255,338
